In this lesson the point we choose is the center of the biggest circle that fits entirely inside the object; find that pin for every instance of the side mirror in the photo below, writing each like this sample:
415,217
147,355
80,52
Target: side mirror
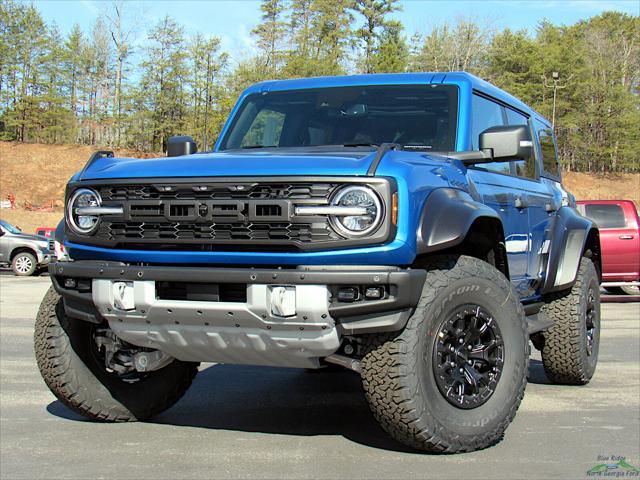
181,145
506,143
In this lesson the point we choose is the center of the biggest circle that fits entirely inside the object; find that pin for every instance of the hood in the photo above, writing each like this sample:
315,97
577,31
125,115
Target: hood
31,238
227,164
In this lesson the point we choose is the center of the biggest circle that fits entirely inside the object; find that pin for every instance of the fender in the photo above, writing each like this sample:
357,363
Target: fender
446,218
58,236
572,235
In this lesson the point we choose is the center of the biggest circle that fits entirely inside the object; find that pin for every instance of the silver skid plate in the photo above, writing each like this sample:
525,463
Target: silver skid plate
225,332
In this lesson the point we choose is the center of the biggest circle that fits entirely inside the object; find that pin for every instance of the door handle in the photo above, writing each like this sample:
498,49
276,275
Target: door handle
626,237
521,203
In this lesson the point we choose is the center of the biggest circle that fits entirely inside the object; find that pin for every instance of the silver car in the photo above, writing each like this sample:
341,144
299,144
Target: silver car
24,252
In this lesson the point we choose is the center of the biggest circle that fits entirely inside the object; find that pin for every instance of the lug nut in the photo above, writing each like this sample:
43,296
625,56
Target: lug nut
453,364
469,362
469,347
461,340
462,370
452,349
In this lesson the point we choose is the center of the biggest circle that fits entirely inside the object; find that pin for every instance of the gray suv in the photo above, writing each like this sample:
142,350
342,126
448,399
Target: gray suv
24,252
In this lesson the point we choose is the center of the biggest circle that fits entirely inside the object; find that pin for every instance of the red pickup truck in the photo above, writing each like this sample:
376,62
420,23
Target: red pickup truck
620,242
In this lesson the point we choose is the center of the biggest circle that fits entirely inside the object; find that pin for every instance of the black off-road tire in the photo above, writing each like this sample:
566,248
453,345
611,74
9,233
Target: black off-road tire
397,368
80,381
565,354
24,258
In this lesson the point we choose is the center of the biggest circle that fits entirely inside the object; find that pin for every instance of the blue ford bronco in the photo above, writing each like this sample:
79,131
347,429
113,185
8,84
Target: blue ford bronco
410,227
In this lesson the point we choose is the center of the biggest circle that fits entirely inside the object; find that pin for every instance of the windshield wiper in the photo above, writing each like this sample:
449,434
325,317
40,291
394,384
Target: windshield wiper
364,144
247,147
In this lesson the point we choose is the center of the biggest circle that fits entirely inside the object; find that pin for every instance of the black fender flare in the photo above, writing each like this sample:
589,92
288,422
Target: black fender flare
447,217
572,236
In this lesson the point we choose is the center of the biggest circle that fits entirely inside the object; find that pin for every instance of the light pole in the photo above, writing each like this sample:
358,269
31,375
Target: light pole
555,77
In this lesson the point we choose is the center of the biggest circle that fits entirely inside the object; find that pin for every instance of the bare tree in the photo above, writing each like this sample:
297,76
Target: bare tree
122,34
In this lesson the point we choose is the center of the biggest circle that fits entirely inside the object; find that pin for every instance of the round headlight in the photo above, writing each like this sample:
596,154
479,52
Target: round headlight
82,224
357,225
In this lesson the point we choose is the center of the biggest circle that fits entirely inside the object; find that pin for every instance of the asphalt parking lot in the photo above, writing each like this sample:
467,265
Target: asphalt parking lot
243,422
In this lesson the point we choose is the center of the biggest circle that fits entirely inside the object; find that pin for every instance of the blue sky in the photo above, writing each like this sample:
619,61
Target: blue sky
232,20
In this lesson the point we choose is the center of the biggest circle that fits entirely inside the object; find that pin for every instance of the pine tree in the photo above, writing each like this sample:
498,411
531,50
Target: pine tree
163,78
270,33
207,62
375,16
392,54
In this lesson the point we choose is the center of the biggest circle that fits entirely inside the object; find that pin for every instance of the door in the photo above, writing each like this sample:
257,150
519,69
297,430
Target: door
618,240
544,192
495,184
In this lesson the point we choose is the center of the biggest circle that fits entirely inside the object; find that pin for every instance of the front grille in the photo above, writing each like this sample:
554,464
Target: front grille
204,213
231,214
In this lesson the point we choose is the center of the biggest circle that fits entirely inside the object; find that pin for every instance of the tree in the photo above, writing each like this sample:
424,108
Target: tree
207,62
513,63
461,47
270,33
72,61
374,13
392,54
122,36
163,77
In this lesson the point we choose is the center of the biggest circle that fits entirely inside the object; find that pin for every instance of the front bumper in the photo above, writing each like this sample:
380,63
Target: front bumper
43,258
239,331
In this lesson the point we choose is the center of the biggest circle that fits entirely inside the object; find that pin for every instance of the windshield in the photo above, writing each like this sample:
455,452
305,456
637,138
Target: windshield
9,228
417,115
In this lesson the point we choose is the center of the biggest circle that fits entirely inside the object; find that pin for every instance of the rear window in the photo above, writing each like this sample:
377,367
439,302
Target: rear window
605,215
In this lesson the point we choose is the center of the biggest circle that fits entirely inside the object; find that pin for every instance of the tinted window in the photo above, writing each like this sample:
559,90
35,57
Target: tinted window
547,149
516,118
40,232
265,129
606,215
525,167
485,114
423,115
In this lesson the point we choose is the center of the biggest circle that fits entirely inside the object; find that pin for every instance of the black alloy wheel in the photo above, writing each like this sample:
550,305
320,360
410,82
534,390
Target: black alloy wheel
590,316
469,356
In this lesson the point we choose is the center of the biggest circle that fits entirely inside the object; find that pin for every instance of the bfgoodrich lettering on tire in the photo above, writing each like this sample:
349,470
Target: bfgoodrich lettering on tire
452,380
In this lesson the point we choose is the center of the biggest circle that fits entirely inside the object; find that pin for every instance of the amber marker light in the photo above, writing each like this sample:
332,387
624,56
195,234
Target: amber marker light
394,209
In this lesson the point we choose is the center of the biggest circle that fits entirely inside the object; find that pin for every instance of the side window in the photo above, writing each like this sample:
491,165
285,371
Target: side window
606,215
547,149
265,130
527,166
485,114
